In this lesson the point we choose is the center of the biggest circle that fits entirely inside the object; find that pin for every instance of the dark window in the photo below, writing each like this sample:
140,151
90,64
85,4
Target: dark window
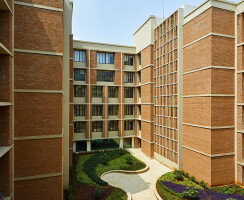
113,92
113,110
139,59
113,126
79,110
129,60
97,110
97,126
79,91
105,76
80,75
139,110
139,125
129,77
129,125
129,110
105,58
97,91
139,75
80,56
80,127
129,92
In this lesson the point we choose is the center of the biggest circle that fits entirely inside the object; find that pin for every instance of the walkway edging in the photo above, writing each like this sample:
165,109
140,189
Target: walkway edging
129,196
156,192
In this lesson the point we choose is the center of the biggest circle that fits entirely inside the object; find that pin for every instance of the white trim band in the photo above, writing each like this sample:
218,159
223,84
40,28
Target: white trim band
209,67
38,52
39,91
210,127
209,34
210,155
209,95
38,176
38,137
38,6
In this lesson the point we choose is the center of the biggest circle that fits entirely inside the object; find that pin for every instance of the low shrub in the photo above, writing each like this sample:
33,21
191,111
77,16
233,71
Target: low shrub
98,193
190,193
129,160
193,179
179,177
203,184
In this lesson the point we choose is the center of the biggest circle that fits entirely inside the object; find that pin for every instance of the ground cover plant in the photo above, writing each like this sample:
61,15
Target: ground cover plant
87,170
179,185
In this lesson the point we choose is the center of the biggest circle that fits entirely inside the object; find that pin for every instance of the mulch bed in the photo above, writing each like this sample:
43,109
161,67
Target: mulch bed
84,192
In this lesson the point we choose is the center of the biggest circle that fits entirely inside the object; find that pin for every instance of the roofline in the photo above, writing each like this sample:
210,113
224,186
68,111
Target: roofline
115,45
202,4
151,16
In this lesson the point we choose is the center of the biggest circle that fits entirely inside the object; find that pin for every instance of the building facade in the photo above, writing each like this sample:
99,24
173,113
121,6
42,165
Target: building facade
34,98
186,107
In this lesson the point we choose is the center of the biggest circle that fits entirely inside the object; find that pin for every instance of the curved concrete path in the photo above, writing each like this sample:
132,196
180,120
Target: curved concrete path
139,185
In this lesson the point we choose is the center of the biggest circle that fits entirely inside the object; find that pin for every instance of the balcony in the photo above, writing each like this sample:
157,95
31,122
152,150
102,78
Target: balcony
2,195
4,50
4,5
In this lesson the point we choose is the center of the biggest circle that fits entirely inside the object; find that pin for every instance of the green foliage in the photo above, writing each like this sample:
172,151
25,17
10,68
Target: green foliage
129,160
117,194
193,179
231,199
229,189
167,193
105,158
190,193
98,192
203,184
179,177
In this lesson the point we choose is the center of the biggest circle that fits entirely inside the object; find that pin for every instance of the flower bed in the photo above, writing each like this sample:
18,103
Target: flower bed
178,185
88,168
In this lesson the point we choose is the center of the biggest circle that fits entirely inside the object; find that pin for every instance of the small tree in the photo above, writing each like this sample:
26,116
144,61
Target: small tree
105,158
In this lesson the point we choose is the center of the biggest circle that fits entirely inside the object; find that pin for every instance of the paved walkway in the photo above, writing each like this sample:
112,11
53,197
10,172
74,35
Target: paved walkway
139,185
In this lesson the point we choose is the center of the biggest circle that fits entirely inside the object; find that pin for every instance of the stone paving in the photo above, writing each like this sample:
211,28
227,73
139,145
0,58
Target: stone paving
139,185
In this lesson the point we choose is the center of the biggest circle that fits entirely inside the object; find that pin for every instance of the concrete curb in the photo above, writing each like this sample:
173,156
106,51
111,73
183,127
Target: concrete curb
129,196
156,192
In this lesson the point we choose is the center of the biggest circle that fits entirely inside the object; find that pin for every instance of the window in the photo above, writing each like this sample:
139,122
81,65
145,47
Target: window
105,76
129,60
139,76
79,91
139,125
129,110
139,92
97,110
80,75
129,125
97,91
113,110
139,110
129,77
80,56
105,58
113,92
80,127
129,92
79,110
97,126
113,126
139,59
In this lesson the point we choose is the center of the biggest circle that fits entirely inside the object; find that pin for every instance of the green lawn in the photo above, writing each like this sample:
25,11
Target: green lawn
88,169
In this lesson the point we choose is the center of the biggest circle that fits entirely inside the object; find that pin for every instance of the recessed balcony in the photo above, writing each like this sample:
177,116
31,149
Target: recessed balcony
4,50
4,5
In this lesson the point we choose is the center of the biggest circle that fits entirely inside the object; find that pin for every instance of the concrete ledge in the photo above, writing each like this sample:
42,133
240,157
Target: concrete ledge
129,196
156,192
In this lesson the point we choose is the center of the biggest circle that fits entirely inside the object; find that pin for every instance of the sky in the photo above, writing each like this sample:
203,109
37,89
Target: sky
115,21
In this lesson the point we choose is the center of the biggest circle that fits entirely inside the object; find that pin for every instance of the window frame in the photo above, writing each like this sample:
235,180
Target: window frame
105,58
97,91
96,128
80,128
129,59
79,76
79,56
127,93
80,92
103,76
129,77
81,111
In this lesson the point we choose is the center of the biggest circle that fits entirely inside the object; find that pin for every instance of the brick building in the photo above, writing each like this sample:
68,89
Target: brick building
177,94
34,98
186,110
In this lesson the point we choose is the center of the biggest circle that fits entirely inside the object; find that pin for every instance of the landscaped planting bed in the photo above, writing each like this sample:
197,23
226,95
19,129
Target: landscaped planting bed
88,168
179,185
